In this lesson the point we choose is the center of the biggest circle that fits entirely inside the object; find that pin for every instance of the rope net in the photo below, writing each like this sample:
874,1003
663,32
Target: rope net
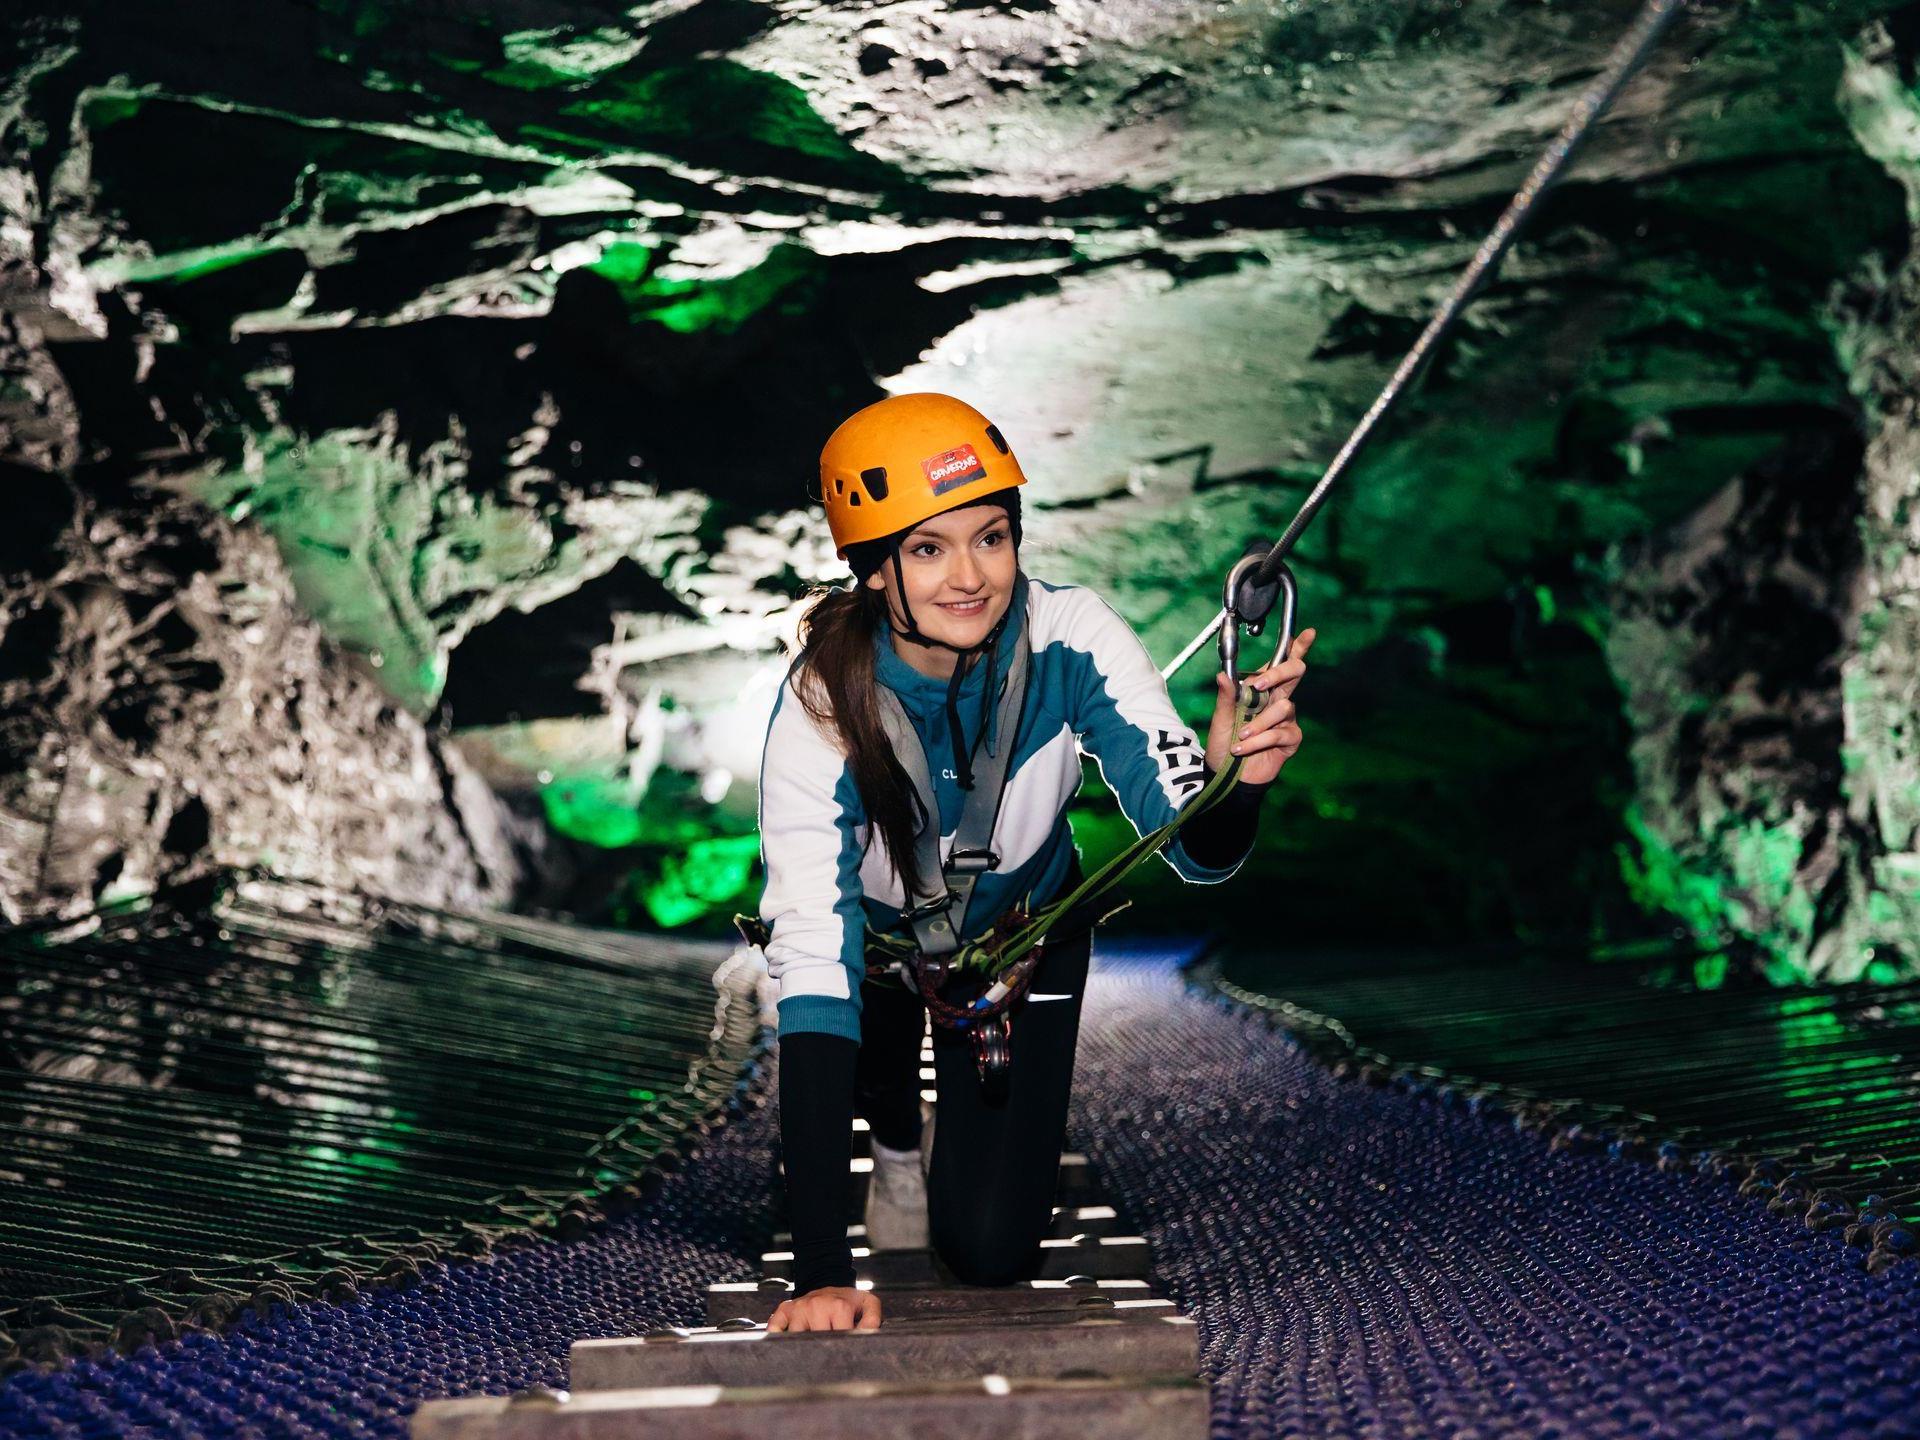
267,1091
1377,1260
1805,1096
1361,1260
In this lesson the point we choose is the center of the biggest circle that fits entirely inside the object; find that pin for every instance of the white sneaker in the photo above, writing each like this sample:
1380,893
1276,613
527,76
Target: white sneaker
896,1200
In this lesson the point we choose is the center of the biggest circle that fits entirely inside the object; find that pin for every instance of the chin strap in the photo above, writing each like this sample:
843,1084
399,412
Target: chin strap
969,657
912,631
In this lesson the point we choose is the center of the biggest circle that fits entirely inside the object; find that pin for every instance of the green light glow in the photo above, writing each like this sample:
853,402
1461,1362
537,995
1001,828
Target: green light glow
601,810
356,518
109,107
1710,972
554,59
1758,897
690,306
1659,879
707,107
712,873
187,265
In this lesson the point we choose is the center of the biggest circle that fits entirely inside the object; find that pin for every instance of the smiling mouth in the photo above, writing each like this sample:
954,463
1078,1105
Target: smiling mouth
963,608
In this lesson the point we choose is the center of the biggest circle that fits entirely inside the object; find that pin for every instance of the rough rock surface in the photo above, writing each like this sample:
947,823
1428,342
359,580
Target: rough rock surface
167,707
463,309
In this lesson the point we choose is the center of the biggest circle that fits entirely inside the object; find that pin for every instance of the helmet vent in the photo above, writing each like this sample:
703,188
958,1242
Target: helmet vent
999,440
853,498
876,481
839,484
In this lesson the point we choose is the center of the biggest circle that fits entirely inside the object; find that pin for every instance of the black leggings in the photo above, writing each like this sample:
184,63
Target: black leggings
990,1193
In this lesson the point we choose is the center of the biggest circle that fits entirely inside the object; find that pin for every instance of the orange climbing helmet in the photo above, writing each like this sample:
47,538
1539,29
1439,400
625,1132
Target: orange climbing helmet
902,459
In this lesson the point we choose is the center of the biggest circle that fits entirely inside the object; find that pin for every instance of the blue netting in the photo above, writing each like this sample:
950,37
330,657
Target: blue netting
1367,1262
1361,1262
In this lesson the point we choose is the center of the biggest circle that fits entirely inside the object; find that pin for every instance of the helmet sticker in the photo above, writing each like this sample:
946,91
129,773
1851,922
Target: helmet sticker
953,468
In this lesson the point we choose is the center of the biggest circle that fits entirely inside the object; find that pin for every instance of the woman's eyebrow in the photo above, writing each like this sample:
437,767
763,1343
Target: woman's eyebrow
914,535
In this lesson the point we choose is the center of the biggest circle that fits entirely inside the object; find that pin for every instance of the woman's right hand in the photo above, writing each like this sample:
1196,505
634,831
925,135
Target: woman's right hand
831,1307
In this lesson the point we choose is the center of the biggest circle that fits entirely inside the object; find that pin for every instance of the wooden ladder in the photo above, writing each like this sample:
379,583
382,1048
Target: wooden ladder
1088,1347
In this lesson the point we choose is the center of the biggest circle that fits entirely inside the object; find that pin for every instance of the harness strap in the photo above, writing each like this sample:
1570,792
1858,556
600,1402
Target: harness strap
1001,953
938,911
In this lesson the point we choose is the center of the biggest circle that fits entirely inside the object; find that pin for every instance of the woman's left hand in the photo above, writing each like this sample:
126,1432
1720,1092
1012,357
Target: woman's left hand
1273,735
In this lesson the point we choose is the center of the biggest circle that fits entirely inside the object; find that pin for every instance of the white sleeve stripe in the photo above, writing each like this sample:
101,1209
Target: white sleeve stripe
805,834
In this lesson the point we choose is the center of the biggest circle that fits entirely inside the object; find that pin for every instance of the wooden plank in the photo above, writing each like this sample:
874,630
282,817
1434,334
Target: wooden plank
991,1407
1030,1346
756,1302
1077,1185
1068,1221
1103,1257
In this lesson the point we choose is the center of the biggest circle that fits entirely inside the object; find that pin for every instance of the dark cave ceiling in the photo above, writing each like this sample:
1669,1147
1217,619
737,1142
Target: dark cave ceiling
506,323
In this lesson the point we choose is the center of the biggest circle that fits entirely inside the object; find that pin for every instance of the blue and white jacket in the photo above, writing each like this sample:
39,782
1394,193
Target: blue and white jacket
1091,689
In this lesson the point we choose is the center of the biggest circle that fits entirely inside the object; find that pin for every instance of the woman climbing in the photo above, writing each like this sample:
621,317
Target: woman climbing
922,497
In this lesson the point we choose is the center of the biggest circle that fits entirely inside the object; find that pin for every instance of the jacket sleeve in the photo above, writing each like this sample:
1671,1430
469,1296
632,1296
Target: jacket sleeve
1148,756
811,840
817,1075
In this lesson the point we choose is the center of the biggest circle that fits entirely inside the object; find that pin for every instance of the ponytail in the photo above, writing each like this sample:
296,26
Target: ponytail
837,688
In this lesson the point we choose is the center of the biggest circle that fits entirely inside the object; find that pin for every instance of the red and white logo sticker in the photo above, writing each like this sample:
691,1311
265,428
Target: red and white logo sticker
954,467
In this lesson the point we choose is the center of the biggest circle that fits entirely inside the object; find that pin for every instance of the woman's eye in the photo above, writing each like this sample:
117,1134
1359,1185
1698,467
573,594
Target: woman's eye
926,551
995,538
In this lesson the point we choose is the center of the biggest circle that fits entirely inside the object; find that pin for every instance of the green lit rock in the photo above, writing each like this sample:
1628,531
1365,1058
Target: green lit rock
515,323
1725,632
1880,756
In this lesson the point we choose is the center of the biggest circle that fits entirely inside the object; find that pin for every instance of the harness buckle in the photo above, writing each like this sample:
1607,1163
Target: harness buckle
971,862
939,905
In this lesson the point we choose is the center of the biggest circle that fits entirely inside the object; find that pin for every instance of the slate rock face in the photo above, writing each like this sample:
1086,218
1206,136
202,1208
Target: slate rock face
1745,602
471,315
168,706
1880,675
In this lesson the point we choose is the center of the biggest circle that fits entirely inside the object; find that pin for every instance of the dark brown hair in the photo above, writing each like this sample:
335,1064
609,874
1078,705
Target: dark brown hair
836,686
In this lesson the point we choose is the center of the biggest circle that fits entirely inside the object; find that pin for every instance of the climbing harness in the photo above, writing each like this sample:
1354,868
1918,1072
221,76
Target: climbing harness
929,956
936,913
1003,959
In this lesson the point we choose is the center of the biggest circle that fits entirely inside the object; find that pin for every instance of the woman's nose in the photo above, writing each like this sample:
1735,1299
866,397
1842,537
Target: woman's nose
965,573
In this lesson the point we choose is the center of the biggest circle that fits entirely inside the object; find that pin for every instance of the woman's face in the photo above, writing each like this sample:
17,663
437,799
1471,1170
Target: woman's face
959,569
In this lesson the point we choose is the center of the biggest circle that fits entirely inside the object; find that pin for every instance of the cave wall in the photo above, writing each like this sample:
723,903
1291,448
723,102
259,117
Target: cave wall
168,707
501,340
1880,674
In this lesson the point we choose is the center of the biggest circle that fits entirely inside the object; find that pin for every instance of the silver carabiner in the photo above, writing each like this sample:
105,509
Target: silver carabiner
1231,626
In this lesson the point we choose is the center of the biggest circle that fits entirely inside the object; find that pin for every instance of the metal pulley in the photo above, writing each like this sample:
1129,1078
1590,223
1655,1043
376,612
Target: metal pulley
1246,602
993,1056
